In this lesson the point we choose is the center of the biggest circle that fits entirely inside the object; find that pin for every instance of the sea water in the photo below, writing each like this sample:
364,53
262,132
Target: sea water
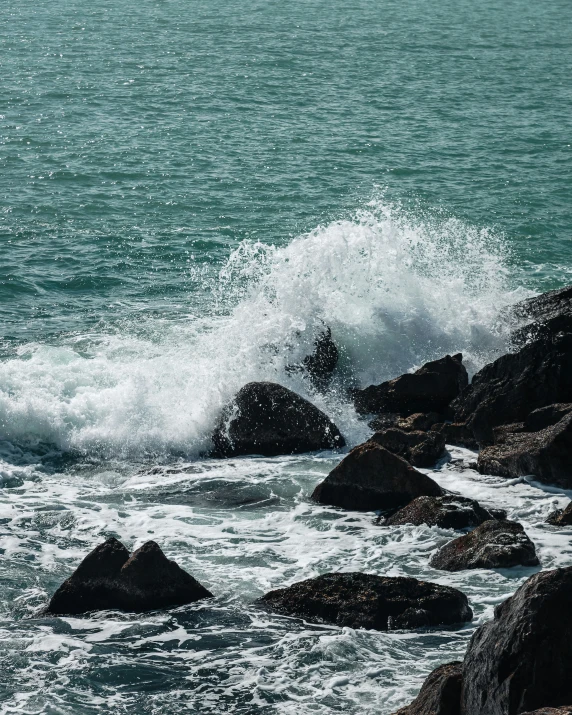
190,193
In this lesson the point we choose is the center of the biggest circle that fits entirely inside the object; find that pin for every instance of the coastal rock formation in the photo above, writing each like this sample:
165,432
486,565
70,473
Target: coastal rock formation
429,389
522,660
268,419
440,694
493,544
561,517
361,600
370,478
322,362
457,433
421,449
108,578
447,512
566,710
546,314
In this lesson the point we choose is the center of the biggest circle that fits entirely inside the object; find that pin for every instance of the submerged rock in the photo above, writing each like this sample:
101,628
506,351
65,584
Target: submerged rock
108,578
561,517
370,478
447,512
421,449
493,544
429,389
361,600
522,660
440,694
268,419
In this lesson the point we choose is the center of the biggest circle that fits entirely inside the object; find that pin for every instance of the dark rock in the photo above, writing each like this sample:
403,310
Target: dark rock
383,421
522,660
421,449
546,454
266,418
447,512
545,306
561,517
419,421
323,360
429,389
440,694
546,417
109,579
493,544
457,433
566,710
361,600
370,478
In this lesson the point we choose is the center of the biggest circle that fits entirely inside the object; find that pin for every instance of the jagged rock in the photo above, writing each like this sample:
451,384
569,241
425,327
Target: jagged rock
421,449
361,600
545,306
546,454
268,419
546,417
447,512
566,710
429,389
561,517
108,578
323,360
493,544
370,478
522,660
440,694
457,433
383,421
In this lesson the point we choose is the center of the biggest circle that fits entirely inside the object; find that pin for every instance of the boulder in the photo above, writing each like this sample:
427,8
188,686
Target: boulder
493,544
360,600
108,578
446,512
323,360
268,419
457,433
521,661
421,449
370,478
429,389
440,694
546,416
546,454
412,423
561,517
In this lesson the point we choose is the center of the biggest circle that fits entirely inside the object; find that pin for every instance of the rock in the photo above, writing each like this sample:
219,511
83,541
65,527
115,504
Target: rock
383,421
419,421
359,600
561,517
546,454
440,694
522,660
370,478
493,544
446,512
546,417
429,389
421,449
507,390
322,362
268,419
566,710
108,578
545,306
457,433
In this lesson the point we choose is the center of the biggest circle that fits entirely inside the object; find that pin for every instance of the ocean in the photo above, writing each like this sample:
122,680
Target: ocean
190,192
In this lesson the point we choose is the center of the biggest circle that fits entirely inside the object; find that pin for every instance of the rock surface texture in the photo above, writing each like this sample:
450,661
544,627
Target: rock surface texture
268,419
322,362
370,478
429,389
447,512
561,517
108,578
361,600
493,544
440,694
421,449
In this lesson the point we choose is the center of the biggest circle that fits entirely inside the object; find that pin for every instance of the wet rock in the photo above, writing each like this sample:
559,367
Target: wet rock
383,421
419,421
421,449
440,694
545,306
370,478
268,419
567,710
429,389
322,362
108,578
361,600
458,434
546,417
522,660
561,517
493,544
446,512
546,454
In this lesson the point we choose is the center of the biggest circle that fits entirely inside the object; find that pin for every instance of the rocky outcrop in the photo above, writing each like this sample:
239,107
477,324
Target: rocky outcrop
361,600
429,389
446,512
421,449
108,578
268,419
323,360
561,517
522,660
493,544
546,416
411,423
543,315
370,478
440,694
566,710
457,433
546,454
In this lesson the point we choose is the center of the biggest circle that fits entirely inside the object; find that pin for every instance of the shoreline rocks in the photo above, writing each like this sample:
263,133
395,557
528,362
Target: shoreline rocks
561,517
440,694
420,449
446,512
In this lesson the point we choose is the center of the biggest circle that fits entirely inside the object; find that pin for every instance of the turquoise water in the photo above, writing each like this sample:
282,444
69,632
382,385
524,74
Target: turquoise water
189,191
